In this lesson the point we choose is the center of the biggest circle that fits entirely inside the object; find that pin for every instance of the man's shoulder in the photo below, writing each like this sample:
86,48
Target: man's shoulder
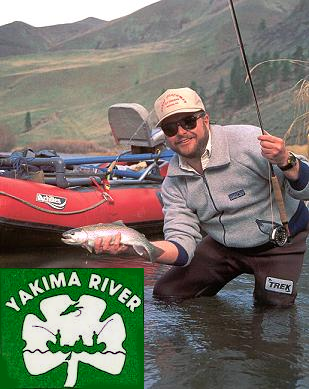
173,167
239,139
238,129
242,135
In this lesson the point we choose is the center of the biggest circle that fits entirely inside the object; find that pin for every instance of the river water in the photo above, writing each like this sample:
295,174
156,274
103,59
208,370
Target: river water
209,342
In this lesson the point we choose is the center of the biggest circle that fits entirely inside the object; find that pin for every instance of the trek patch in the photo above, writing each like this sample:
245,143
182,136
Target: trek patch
81,328
278,285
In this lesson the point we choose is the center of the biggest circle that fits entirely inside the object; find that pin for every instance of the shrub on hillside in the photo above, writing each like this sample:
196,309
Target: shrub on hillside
7,139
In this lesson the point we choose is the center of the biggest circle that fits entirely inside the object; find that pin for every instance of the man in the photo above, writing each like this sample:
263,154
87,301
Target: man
218,185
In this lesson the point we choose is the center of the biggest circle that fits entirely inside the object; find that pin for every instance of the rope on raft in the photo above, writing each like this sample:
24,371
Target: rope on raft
105,199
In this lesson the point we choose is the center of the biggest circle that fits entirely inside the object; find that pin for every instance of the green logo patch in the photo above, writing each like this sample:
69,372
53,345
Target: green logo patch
75,328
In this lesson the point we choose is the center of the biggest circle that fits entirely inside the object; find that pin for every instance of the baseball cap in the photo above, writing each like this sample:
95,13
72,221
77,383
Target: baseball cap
174,101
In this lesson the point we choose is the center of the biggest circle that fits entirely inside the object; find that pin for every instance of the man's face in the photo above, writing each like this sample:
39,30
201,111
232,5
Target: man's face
190,143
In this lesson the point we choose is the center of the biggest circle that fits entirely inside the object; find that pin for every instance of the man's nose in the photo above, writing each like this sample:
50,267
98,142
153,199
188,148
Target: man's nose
181,130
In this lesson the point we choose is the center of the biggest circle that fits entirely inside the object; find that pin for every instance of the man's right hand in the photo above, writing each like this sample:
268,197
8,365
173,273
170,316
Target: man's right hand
110,245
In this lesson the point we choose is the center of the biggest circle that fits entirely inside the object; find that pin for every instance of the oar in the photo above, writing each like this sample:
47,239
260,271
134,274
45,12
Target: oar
70,161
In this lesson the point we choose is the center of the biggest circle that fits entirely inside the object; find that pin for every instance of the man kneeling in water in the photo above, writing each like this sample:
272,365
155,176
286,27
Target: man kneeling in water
218,184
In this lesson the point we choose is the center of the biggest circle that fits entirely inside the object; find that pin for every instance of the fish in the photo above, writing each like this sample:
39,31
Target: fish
86,235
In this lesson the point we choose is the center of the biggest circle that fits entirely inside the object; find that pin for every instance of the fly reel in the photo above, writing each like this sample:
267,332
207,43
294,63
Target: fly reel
279,236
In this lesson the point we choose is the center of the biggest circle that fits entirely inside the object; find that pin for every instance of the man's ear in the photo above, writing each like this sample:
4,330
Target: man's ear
206,119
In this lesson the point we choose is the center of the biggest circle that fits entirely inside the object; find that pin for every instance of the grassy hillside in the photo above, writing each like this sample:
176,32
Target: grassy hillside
19,38
68,92
173,18
54,35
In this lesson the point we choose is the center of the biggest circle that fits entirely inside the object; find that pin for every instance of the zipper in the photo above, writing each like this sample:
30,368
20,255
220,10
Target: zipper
220,213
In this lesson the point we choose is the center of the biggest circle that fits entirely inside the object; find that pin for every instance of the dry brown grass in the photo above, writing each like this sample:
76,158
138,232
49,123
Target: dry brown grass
301,122
56,63
302,95
292,61
74,147
300,149
299,128
300,125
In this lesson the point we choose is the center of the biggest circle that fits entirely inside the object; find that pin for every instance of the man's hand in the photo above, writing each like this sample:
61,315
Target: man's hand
110,244
274,149
167,252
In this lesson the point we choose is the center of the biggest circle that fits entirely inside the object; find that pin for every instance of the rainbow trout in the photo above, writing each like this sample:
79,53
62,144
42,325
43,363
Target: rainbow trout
85,237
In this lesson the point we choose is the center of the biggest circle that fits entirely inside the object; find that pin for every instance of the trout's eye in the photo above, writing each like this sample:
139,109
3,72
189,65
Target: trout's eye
76,232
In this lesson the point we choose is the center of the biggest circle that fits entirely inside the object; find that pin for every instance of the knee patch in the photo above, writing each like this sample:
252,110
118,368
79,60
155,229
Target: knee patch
275,291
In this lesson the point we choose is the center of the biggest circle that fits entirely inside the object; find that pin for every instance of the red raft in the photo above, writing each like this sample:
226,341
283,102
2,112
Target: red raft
35,214
75,192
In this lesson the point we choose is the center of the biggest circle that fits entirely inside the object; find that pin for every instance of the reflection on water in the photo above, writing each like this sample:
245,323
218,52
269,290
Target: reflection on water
224,342
210,342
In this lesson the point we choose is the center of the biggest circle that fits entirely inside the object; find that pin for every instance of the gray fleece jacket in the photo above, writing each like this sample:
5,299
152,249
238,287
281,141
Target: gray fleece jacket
231,200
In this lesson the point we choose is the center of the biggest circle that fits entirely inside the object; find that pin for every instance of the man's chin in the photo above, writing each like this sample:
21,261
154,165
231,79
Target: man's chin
187,154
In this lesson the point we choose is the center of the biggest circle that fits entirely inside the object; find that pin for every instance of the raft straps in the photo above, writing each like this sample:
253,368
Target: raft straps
106,198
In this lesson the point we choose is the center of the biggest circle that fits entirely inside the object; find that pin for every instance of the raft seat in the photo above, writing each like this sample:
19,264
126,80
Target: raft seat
132,125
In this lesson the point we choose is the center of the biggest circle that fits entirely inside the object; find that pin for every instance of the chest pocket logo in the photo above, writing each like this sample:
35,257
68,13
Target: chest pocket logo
236,195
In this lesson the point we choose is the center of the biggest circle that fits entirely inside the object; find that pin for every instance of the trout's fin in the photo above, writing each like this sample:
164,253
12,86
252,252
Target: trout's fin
141,250
87,247
119,223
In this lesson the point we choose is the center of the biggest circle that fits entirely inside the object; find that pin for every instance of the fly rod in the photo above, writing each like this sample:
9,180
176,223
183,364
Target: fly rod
279,235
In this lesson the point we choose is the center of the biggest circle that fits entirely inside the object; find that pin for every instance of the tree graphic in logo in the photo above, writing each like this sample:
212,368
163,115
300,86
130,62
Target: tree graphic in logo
73,333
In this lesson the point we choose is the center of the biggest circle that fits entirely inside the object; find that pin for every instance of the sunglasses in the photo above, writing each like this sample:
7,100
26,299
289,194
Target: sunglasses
187,123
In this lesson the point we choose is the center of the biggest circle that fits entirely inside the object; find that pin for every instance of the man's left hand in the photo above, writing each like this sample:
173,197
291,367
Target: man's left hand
274,149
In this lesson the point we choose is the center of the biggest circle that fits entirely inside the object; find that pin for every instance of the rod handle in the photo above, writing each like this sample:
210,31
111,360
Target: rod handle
280,202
